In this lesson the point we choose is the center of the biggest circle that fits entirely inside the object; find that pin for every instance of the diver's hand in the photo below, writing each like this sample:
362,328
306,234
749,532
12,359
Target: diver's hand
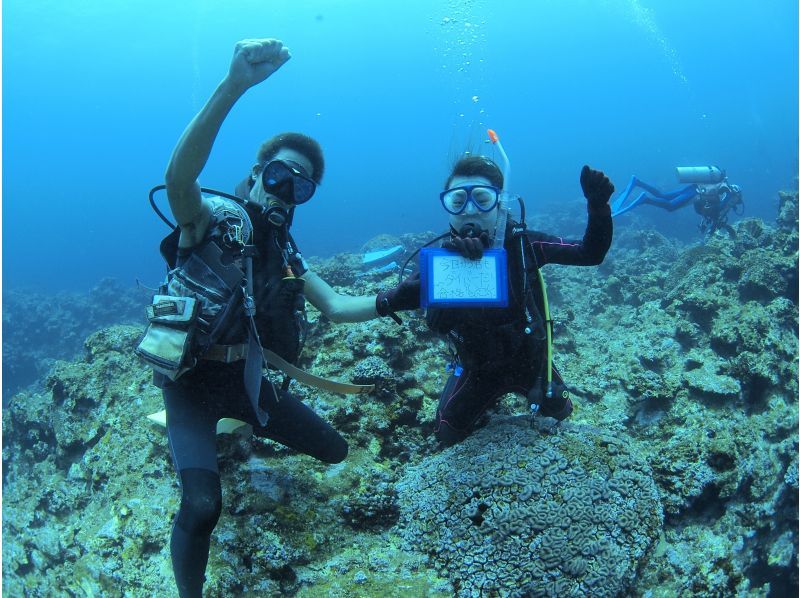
402,297
254,60
597,189
470,247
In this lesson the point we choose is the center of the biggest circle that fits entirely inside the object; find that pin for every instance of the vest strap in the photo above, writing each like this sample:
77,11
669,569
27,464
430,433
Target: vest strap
231,353
226,353
312,380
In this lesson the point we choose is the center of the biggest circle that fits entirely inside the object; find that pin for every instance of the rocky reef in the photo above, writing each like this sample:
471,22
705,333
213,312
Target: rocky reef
676,475
39,328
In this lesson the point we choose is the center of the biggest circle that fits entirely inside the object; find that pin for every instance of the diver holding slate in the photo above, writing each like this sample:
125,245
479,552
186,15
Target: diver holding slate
500,333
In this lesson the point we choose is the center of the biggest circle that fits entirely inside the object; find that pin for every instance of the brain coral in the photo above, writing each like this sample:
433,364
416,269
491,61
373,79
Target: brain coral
513,511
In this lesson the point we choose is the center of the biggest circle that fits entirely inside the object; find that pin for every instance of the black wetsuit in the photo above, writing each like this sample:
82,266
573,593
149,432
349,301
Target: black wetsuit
495,354
214,390
714,203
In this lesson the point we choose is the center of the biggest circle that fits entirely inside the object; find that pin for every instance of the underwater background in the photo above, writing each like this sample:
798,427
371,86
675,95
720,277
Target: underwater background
97,93
677,475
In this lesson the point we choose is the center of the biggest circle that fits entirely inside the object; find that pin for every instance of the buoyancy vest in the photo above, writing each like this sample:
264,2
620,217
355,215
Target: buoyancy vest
215,274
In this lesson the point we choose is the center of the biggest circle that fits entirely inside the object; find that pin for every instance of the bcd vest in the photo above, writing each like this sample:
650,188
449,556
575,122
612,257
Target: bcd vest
206,286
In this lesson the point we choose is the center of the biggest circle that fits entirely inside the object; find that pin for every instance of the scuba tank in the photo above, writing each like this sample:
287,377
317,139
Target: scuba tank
702,175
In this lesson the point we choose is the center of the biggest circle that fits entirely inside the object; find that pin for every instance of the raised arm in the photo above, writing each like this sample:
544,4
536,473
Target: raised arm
592,249
253,61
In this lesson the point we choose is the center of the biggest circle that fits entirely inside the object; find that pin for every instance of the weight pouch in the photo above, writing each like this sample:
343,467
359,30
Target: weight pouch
167,341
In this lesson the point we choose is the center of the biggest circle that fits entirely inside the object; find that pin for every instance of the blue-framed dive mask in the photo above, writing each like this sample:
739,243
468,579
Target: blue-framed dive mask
287,181
483,197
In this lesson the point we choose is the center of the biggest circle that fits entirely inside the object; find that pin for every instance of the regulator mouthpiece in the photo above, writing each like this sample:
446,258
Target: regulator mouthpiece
276,215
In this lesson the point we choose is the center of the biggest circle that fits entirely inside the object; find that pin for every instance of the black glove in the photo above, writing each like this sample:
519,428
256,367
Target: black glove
468,243
597,189
403,296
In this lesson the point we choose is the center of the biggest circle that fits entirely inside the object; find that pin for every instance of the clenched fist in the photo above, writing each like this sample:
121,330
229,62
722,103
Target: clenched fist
254,60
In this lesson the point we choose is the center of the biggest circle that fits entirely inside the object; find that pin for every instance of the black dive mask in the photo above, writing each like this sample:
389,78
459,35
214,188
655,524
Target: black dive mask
287,181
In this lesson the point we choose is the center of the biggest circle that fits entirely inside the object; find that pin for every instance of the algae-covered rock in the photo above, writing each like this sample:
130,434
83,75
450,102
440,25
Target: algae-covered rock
787,210
339,270
102,494
39,328
374,370
373,504
706,381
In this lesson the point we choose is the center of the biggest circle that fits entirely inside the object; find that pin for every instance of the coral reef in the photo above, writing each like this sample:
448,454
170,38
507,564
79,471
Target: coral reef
708,381
83,498
571,514
676,475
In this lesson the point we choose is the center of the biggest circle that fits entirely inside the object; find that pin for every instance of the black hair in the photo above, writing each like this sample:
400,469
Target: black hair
476,166
300,143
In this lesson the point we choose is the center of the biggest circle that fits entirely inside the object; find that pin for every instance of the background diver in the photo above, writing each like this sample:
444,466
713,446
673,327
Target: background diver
706,187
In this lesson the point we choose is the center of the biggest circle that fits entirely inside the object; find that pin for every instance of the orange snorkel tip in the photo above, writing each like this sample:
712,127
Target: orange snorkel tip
495,139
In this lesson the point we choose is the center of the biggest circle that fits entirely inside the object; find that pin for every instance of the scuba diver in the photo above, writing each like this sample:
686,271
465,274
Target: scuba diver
233,300
499,350
706,187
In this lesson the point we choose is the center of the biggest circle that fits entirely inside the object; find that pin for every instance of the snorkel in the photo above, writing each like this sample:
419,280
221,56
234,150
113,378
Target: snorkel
502,208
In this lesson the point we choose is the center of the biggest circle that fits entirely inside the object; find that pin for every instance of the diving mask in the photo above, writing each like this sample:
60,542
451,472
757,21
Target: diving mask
287,181
483,197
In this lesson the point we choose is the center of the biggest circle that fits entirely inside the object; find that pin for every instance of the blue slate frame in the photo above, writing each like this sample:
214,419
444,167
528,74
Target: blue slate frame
427,256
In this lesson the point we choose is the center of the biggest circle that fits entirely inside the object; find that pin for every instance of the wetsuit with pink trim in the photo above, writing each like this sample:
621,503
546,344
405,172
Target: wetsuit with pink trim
503,350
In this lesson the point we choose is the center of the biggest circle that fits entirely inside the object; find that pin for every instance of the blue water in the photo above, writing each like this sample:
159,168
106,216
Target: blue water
96,93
